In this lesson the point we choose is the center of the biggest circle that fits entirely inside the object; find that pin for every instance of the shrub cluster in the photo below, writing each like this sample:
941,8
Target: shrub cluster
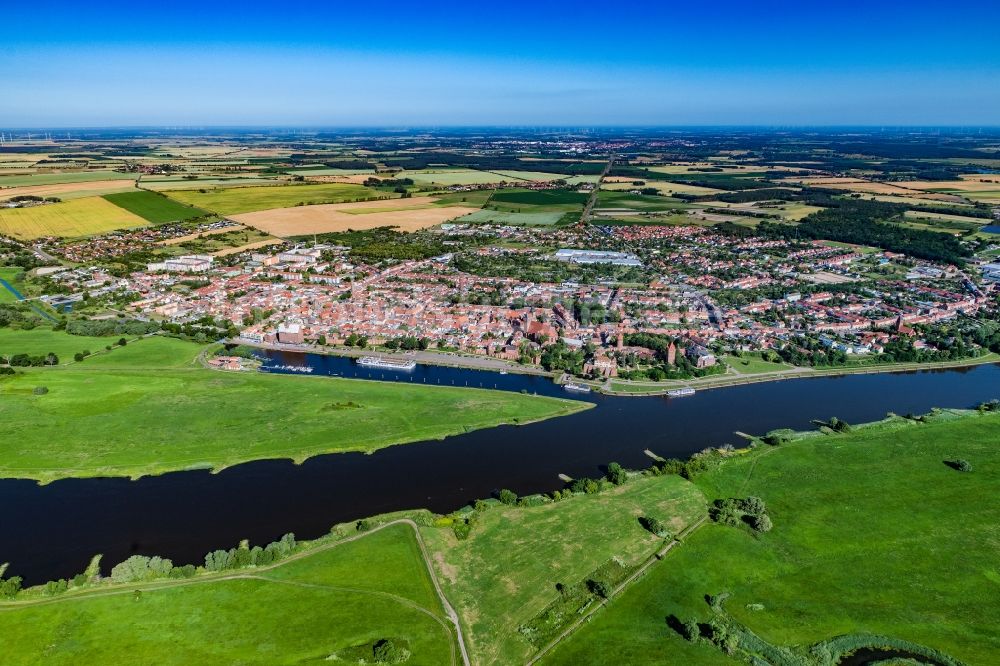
734,511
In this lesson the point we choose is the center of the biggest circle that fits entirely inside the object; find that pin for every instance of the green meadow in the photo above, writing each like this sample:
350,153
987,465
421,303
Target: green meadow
509,569
873,533
42,341
233,200
317,606
12,275
753,364
154,207
150,408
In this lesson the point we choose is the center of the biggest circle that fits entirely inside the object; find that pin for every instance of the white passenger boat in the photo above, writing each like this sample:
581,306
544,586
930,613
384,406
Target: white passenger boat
681,392
579,388
387,363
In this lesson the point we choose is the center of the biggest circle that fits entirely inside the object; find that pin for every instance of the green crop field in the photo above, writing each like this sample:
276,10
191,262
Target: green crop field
248,199
79,217
149,408
516,219
153,207
316,606
610,199
506,572
872,533
540,197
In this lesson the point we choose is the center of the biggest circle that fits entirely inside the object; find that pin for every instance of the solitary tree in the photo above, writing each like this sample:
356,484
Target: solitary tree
616,474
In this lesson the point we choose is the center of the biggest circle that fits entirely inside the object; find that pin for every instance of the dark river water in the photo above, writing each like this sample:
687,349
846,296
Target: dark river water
52,531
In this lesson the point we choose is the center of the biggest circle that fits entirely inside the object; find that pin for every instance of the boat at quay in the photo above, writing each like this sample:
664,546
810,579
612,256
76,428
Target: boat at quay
387,363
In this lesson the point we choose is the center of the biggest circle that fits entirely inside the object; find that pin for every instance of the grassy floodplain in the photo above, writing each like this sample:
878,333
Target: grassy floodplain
230,201
151,408
313,606
873,533
505,573
12,275
41,341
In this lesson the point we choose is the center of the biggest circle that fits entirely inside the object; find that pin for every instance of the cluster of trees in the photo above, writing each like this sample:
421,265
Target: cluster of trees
735,511
201,332
386,651
654,526
356,340
9,587
865,222
245,556
13,315
29,198
408,342
685,468
682,368
25,360
560,356
389,182
139,568
531,268
103,327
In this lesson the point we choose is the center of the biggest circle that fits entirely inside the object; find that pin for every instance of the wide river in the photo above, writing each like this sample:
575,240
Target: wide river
52,531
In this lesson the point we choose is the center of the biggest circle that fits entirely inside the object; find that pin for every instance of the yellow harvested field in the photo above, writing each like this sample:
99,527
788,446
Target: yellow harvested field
355,179
858,185
248,246
692,168
985,183
69,219
210,232
325,218
64,190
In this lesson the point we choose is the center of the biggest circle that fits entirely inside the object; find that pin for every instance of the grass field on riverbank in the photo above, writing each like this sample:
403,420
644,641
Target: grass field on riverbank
506,572
872,533
303,610
148,409
41,341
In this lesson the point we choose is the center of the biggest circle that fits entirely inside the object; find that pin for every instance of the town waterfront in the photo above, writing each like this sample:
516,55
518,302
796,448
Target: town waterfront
53,530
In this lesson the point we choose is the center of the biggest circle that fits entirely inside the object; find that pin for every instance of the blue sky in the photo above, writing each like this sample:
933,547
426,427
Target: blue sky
759,62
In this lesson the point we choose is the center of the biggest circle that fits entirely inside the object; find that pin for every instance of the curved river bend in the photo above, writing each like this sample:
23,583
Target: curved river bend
52,531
